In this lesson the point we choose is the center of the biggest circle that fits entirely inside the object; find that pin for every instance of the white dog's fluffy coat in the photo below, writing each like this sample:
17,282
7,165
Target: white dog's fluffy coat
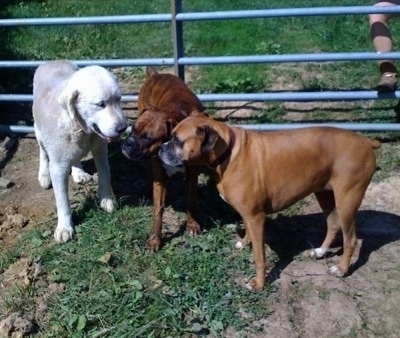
75,111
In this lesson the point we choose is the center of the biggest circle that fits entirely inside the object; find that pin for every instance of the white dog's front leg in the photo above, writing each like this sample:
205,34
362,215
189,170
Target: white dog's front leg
44,173
106,196
59,175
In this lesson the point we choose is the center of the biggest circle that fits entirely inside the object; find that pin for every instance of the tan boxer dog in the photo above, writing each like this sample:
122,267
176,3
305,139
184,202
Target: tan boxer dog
163,101
260,173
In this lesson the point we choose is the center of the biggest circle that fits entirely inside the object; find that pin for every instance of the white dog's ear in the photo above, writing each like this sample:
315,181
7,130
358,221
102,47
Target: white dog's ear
67,100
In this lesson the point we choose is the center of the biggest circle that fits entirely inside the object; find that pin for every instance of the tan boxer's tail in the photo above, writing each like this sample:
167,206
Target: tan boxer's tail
374,143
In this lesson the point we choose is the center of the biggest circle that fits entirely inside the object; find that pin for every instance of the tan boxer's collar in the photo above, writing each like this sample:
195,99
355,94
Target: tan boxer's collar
219,160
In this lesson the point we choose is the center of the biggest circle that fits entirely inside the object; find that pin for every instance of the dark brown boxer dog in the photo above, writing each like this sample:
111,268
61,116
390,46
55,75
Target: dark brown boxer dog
261,173
164,100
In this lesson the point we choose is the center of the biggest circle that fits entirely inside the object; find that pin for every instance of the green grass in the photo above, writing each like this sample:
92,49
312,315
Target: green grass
343,33
188,287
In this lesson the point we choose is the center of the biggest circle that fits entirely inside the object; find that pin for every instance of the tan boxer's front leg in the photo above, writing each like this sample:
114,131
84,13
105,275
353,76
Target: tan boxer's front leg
255,228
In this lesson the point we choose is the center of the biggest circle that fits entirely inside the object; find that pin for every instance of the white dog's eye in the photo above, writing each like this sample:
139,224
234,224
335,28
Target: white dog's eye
101,104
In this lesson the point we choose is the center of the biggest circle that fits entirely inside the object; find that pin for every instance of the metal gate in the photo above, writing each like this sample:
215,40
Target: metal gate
179,60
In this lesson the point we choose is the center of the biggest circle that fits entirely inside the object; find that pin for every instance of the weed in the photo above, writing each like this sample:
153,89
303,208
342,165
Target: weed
236,86
324,294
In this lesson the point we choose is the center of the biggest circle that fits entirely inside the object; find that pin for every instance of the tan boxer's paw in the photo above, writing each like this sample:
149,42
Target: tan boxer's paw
254,286
335,271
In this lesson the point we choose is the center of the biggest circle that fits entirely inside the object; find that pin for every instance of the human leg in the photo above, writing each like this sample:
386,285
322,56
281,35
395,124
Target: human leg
382,41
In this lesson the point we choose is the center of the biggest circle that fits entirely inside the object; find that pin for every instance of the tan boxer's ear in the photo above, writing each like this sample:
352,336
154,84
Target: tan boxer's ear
67,100
208,135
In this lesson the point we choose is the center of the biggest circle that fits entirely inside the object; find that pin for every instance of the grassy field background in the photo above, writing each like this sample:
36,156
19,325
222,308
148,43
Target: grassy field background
348,33
110,286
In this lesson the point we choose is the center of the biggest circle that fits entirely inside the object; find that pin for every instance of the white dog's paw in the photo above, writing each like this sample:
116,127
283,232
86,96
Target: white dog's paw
318,253
81,177
44,180
108,204
335,271
242,242
239,245
63,233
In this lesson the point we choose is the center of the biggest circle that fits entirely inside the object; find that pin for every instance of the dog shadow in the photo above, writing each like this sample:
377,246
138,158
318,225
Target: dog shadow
289,237
132,186
129,179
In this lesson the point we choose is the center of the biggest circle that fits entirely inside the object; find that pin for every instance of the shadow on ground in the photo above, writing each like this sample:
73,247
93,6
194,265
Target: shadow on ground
290,236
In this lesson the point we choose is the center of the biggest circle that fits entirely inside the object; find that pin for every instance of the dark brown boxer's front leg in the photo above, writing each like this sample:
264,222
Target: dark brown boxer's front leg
192,225
159,193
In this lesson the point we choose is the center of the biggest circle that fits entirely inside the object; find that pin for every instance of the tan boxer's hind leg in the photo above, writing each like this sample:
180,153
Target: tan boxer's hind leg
348,203
326,200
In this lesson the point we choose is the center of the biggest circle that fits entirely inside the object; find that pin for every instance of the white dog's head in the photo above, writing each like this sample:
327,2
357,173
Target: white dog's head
92,97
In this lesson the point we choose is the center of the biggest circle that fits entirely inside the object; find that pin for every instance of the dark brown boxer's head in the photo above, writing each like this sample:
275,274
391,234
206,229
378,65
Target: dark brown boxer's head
151,129
191,142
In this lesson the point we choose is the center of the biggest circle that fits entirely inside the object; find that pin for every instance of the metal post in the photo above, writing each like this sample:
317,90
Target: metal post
177,36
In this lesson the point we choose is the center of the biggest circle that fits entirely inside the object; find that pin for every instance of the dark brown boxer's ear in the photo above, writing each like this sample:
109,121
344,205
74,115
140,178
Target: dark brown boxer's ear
170,125
209,137
150,71
150,108
198,113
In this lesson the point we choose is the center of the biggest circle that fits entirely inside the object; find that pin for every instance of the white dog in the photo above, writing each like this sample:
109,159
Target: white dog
75,111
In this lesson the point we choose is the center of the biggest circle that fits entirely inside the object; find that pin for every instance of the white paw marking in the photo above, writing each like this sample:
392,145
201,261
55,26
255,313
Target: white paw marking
239,245
334,271
220,195
192,233
249,287
318,253
108,204
81,177
63,234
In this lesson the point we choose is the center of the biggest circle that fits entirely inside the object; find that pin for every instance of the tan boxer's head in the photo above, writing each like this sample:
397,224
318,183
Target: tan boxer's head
191,142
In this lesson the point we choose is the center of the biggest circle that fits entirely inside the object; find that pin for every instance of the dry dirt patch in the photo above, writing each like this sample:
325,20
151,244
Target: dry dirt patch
310,303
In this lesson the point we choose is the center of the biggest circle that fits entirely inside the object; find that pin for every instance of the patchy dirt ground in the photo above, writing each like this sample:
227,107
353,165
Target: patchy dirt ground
307,302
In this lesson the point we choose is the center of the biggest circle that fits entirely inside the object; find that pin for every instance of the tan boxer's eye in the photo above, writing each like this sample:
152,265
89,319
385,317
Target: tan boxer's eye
177,142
